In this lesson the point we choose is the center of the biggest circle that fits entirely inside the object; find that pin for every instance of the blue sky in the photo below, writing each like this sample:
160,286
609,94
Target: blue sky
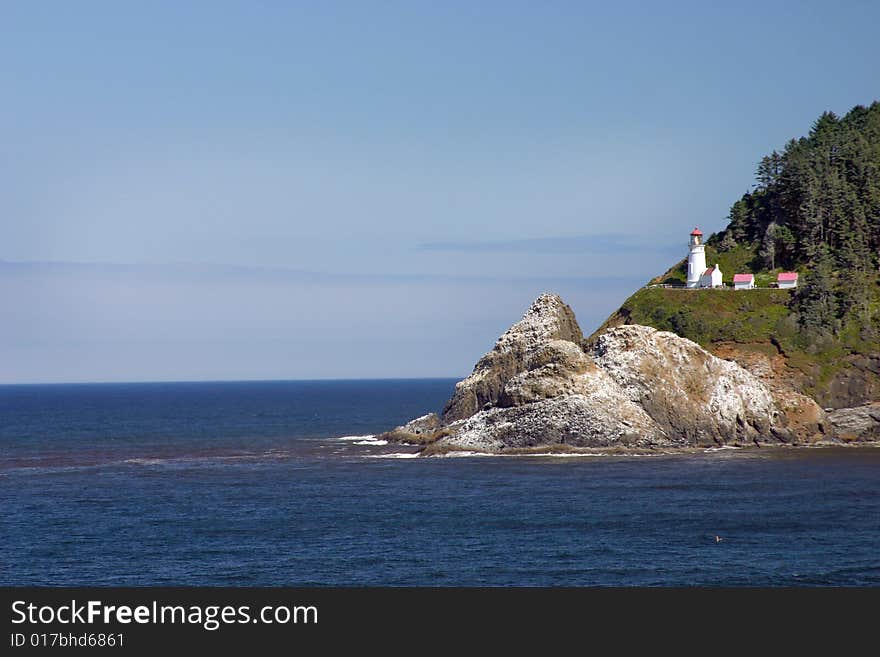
225,190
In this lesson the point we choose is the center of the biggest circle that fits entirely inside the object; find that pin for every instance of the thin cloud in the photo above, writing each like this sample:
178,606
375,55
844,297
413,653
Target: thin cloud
219,272
605,243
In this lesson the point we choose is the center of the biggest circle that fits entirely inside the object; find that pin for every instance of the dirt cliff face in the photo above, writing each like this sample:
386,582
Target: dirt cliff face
805,417
856,382
632,387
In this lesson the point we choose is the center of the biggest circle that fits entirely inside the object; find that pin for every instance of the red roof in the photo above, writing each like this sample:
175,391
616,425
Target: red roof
743,278
787,276
696,231
709,271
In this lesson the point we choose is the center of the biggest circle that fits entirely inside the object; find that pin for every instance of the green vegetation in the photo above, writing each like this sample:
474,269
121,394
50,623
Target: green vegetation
708,316
815,210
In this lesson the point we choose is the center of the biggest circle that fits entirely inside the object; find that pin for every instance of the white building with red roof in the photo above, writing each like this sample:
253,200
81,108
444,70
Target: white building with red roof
743,281
787,280
711,277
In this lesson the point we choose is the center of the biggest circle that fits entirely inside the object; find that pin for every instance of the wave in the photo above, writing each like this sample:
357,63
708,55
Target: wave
565,455
555,455
461,454
47,469
370,441
368,436
473,454
146,461
272,454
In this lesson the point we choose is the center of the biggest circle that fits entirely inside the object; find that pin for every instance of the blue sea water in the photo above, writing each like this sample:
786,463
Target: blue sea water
251,484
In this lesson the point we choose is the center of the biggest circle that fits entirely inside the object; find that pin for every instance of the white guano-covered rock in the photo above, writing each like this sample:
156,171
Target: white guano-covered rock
548,319
684,388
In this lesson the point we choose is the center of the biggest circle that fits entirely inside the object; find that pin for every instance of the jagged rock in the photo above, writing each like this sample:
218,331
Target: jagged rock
422,429
685,389
592,411
635,387
422,425
548,318
858,383
857,424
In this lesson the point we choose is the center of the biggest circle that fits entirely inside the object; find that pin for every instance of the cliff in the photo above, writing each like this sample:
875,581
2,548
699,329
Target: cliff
632,387
762,325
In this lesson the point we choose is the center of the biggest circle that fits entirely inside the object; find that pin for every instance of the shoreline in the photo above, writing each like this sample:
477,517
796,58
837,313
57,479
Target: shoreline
563,451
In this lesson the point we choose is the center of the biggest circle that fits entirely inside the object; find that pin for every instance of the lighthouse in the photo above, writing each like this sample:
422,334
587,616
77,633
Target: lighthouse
696,258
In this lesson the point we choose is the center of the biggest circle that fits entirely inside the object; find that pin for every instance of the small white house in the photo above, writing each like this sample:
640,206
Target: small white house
711,277
787,280
743,281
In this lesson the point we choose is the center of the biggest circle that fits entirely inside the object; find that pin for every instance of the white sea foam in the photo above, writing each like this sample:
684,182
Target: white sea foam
556,455
145,461
205,460
565,455
356,438
471,454
370,441
720,449
38,470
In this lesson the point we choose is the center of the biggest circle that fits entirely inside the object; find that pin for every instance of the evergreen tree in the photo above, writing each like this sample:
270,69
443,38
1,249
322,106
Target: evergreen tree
816,301
768,246
822,189
816,207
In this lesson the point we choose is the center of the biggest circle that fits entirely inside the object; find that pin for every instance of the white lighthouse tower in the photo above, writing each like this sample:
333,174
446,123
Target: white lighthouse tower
696,258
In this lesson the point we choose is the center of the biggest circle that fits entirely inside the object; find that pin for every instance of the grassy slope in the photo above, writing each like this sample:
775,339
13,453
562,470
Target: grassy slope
707,316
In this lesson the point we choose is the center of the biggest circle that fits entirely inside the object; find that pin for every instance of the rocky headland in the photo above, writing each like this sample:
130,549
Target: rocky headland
543,387
684,368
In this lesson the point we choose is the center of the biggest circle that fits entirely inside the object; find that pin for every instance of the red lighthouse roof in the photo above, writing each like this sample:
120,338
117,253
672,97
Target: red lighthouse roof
696,231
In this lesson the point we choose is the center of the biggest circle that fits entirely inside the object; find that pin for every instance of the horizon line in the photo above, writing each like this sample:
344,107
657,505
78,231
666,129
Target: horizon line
162,381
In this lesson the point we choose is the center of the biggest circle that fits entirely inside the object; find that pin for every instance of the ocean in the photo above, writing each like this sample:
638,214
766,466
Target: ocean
280,483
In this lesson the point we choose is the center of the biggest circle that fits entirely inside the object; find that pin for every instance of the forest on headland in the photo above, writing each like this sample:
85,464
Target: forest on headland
815,209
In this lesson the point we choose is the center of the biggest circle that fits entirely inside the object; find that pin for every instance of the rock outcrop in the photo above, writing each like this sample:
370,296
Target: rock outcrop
857,383
686,390
632,387
544,335
861,423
